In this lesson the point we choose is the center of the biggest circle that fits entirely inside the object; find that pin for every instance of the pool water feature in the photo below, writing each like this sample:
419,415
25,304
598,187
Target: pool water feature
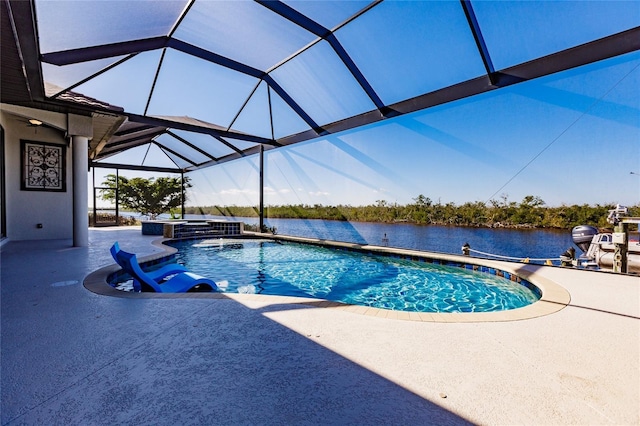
304,270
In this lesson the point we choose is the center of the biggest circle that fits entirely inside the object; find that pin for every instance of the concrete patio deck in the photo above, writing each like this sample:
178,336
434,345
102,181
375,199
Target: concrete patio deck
70,356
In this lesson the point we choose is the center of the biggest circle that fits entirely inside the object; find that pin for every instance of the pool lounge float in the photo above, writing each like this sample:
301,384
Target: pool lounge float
172,278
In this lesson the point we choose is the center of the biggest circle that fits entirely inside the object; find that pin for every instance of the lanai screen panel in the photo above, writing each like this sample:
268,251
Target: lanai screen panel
64,24
243,31
437,35
512,38
279,72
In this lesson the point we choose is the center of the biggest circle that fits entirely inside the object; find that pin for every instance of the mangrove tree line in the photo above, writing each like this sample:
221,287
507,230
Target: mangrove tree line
531,212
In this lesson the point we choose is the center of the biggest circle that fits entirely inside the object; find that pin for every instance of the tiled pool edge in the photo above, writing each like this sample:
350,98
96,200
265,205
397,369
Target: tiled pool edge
554,297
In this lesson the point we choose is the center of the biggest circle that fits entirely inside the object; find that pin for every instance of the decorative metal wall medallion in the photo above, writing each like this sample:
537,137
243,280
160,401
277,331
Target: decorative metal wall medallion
43,166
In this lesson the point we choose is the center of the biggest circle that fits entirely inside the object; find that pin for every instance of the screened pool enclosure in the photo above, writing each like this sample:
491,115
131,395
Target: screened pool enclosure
208,82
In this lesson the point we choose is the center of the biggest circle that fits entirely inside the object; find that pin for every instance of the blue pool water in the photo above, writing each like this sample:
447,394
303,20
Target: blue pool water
291,269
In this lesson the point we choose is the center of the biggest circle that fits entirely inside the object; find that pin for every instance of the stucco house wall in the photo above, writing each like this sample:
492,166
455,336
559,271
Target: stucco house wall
26,209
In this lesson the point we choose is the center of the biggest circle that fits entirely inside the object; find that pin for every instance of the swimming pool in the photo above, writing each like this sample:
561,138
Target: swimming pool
293,269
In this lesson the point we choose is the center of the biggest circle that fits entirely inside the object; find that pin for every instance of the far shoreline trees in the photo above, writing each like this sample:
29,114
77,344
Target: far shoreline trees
531,212
154,196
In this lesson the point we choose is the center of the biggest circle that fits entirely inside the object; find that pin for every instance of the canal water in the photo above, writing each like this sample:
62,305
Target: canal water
517,243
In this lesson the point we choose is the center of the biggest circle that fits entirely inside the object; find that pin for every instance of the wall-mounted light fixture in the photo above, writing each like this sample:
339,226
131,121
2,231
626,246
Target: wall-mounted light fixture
35,122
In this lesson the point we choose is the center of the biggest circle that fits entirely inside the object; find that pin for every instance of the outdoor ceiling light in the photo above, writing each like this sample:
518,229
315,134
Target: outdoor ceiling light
35,122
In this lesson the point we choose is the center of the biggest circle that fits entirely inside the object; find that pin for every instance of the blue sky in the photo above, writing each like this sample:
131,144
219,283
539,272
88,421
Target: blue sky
570,138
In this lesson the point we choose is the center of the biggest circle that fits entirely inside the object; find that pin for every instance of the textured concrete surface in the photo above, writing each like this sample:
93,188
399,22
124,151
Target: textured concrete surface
70,356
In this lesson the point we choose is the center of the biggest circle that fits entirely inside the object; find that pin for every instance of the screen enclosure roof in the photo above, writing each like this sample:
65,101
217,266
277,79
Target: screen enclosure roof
207,82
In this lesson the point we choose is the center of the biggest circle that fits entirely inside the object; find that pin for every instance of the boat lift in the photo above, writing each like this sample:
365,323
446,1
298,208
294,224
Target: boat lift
601,250
620,237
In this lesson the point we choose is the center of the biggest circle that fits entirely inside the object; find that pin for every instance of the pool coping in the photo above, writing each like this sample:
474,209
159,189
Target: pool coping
553,299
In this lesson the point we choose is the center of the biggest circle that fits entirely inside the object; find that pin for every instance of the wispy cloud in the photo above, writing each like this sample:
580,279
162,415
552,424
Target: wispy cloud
235,191
270,190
